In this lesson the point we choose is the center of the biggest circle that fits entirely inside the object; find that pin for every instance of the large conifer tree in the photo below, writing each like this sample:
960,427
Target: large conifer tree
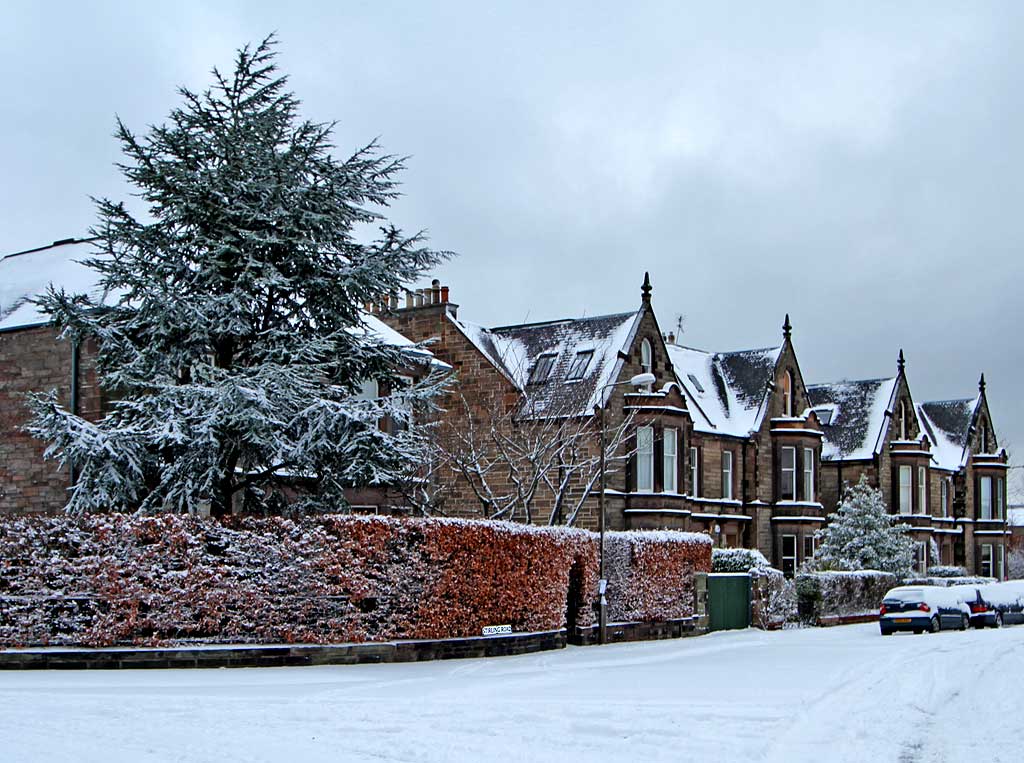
235,346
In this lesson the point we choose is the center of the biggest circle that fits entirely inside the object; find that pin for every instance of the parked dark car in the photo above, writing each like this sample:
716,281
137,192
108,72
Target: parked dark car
994,604
922,608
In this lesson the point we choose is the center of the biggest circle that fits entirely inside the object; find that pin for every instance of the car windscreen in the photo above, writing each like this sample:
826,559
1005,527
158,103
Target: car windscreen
908,594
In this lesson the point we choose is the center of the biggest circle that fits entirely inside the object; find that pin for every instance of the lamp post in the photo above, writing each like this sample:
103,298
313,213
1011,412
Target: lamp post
638,381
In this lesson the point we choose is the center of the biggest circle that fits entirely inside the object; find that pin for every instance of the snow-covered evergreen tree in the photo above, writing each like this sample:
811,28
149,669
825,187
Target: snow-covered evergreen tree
237,344
860,535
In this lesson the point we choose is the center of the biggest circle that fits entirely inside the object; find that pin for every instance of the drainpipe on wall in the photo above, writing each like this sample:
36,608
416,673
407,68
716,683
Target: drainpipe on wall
75,357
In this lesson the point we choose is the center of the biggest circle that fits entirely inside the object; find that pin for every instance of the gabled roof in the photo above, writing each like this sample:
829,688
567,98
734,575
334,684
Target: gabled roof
26,275
948,424
856,416
728,390
515,350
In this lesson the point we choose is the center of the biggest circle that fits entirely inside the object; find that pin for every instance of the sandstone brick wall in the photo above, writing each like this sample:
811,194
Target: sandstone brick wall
35,360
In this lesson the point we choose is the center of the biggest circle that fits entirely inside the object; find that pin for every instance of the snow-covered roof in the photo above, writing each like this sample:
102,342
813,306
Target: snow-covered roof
728,390
26,275
516,350
948,424
856,416
380,330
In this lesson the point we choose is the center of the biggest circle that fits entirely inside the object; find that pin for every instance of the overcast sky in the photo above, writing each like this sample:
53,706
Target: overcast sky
861,170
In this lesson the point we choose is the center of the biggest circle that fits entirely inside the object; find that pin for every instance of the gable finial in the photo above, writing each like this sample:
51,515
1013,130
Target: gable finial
646,288
901,362
787,328
981,383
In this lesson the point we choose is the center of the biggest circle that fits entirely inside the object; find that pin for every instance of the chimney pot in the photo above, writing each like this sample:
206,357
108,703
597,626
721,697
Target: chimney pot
408,299
444,294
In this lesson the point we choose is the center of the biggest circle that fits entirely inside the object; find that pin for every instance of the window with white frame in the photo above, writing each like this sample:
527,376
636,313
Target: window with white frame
694,472
986,560
906,474
646,360
808,474
1000,563
985,498
670,461
727,474
579,365
1000,505
645,459
922,491
921,557
542,368
787,483
788,555
809,547
944,496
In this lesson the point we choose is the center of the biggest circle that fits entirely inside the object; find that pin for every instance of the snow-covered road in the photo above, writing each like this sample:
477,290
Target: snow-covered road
839,694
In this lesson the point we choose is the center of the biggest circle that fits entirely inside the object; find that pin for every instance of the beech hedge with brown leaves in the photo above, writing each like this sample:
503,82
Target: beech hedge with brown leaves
112,579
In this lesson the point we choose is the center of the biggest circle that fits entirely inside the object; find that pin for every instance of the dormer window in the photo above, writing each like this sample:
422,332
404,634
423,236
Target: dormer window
825,415
787,394
542,369
580,364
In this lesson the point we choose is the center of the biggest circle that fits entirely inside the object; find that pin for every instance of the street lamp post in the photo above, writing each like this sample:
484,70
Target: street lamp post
640,380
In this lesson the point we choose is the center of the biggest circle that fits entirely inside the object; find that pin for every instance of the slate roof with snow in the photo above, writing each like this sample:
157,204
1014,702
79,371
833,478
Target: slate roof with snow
728,391
516,351
947,424
856,416
26,275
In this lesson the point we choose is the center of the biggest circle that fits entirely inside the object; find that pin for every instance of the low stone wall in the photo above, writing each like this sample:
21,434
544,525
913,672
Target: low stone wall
279,656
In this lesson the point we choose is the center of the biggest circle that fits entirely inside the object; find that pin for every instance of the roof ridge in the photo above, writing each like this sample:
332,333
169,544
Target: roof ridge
555,322
950,400
752,349
850,381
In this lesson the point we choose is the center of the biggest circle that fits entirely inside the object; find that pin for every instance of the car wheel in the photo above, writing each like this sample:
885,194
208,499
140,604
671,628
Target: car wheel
999,620
935,626
965,622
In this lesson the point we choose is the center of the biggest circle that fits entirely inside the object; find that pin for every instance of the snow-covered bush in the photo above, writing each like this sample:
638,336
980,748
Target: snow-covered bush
737,560
861,536
774,601
946,571
1015,563
825,594
945,582
108,579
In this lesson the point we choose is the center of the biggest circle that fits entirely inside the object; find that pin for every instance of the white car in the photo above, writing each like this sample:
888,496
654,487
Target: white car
923,608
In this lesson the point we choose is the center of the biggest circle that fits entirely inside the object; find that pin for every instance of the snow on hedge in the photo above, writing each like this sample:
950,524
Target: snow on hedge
824,594
737,560
110,579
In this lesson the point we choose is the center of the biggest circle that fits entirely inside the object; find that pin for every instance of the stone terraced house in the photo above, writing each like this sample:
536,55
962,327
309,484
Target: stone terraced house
938,465
734,444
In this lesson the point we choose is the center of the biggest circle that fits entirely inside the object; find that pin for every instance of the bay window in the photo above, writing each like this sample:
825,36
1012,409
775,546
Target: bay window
922,490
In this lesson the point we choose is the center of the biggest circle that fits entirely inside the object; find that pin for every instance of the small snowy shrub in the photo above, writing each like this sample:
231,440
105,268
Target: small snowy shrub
774,598
946,571
1015,563
737,560
825,594
861,536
